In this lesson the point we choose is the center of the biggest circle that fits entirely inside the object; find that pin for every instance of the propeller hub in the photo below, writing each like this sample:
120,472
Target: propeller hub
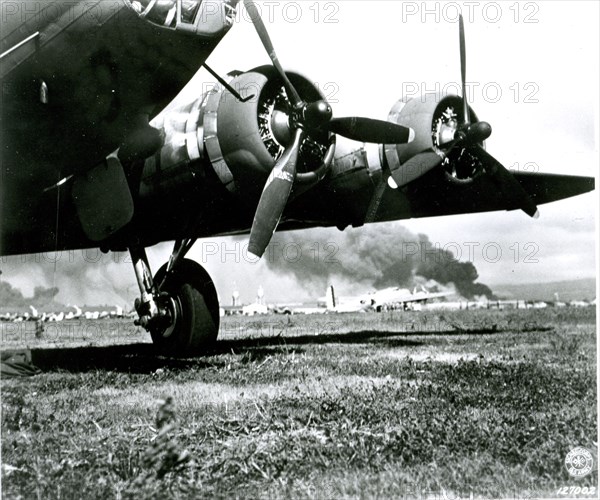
316,114
479,132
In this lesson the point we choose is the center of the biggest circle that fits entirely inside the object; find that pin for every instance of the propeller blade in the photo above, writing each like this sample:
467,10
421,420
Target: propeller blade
369,130
61,182
415,167
261,29
510,185
463,68
274,198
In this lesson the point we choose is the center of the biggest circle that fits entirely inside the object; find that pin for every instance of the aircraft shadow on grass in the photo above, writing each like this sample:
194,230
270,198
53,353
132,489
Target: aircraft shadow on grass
143,358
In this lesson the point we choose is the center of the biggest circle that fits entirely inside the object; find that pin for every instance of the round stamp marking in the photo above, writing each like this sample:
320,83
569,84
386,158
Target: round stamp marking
579,462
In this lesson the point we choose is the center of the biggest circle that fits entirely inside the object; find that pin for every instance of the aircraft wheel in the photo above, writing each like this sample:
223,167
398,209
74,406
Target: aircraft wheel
191,300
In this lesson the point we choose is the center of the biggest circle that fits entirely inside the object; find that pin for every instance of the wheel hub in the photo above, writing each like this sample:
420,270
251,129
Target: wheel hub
170,313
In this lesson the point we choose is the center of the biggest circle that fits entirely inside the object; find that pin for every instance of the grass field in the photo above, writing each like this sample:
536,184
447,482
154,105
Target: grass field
412,405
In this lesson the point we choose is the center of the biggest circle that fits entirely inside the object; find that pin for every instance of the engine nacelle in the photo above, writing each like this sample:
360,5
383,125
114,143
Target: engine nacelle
435,120
239,140
244,139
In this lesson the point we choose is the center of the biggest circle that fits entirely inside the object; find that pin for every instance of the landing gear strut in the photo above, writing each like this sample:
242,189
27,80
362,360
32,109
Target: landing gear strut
179,306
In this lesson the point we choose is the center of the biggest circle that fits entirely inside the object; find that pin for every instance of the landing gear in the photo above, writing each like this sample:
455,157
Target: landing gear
190,297
179,306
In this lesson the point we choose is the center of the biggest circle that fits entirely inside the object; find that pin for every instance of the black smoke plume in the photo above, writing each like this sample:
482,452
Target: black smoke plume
379,256
82,277
13,297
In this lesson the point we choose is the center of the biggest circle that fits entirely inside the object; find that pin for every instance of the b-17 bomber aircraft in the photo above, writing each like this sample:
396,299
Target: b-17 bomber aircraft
378,300
90,161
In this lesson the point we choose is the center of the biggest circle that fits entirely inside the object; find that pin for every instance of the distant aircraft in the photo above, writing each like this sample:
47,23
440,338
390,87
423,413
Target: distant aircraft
117,313
402,297
74,315
379,300
34,313
347,305
88,160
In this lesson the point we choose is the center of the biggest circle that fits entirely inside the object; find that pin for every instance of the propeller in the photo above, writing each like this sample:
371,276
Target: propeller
305,118
274,197
512,188
467,135
263,34
369,130
463,68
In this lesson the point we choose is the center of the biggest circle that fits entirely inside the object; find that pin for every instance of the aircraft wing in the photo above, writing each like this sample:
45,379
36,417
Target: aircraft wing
546,188
356,195
435,194
384,297
422,296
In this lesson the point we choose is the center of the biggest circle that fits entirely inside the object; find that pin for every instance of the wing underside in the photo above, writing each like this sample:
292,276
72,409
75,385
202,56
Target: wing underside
436,195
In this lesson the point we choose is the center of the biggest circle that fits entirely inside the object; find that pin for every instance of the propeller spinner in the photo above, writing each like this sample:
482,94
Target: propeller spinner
305,118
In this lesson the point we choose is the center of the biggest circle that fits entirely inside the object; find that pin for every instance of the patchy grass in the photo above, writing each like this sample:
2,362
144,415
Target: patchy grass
409,405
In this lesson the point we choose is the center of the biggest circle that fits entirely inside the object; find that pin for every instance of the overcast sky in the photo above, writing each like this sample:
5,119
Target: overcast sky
533,74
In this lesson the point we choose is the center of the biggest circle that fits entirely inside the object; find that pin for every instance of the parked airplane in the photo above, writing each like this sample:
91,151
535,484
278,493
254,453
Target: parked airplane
402,298
347,305
34,313
83,167
74,315
378,300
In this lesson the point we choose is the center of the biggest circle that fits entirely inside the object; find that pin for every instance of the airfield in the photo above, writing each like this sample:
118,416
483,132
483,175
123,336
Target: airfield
437,404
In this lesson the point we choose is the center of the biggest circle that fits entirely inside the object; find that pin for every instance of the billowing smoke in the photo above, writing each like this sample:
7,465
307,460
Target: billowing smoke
44,296
379,256
13,297
10,296
441,265
82,277
298,265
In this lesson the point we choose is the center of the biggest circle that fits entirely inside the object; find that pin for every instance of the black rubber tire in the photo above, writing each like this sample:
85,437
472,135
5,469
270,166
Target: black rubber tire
196,305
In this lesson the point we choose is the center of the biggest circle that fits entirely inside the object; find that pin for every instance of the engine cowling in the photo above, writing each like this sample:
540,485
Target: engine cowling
435,120
253,135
